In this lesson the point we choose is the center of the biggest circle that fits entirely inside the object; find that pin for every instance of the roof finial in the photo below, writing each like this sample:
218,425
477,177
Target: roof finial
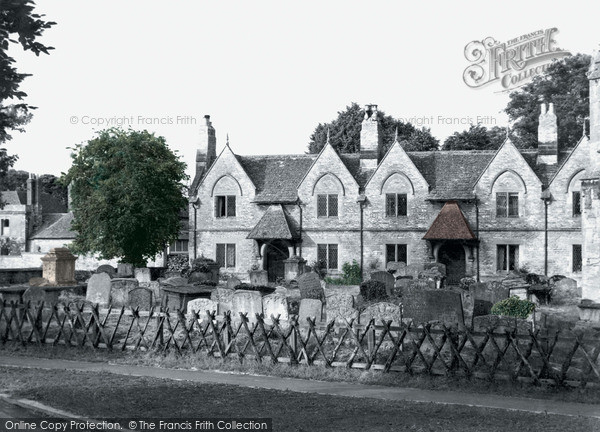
396,135
327,142
227,143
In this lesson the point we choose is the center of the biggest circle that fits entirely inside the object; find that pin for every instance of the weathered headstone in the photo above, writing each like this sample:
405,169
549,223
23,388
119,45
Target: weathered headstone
274,305
232,282
432,305
281,290
200,306
119,290
124,270
108,269
310,286
259,277
386,278
140,298
175,281
422,284
398,268
249,302
340,308
154,286
440,267
485,295
199,277
98,289
312,308
382,311
142,274
34,294
353,290
413,270
37,281
224,297
566,291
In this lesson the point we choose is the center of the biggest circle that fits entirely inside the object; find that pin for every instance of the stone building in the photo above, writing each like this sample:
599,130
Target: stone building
482,213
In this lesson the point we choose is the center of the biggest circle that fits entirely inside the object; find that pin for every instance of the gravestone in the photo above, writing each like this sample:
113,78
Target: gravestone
200,306
310,286
422,284
224,297
37,281
312,308
141,298
232,282
142,274
154,286
440,267
98,289
398,268
108,269
199,277
386,278
119,290
124,270
275,304
485,295
249,302
432,305
59,267
413,270
259,277
34,294
382,311
175,281
281,290
340,308
566,291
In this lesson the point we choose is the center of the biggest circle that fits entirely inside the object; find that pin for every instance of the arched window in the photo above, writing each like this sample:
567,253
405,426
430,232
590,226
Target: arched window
327,189
508,190
396,190
225,193
574,194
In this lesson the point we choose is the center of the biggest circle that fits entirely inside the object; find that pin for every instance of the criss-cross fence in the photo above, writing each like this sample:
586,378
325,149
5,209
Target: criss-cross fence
561,358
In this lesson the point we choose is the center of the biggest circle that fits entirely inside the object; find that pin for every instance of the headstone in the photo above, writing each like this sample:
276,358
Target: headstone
154,286
353,290
386,278
34,295
414,270
396,268
175,281
142,274
312,308
232,282
440,267
259,277
521,293
141,298
566,291
98,289
432,305
382,311
200,306
124,270
281,290
108,269
422,284
119,290
274,305
224,298
199,277
249,302
37,281
310,286
340,308
59,267
485,295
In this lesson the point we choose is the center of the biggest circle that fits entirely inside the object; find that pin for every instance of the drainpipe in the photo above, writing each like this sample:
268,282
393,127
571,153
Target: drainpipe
477,234
361,201
546,196
300,241
195,206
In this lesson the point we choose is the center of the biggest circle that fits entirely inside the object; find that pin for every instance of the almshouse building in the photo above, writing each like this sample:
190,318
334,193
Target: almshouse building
482,213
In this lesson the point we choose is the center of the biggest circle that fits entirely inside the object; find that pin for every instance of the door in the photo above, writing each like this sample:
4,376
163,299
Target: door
277,253
453,256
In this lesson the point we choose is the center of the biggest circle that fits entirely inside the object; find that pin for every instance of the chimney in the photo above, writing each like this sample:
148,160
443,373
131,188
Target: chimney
31,190
370,139
207,149
547,136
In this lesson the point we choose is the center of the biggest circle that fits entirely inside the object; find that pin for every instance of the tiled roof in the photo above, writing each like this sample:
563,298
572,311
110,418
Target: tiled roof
276,177
13,198
352,162
55,226
49,203
450,224
274,224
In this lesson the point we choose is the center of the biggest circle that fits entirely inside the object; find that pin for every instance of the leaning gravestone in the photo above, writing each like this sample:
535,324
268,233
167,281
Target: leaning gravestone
566,291
249,302
382,311
386,278
124,270
310,286
34,295
98,289
312,308
340,308
200,306
232,282
119,290
432,305
275,305
108,269
140,298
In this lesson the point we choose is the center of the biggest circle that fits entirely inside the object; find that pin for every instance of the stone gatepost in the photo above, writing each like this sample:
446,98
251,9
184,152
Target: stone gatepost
59,267
294,267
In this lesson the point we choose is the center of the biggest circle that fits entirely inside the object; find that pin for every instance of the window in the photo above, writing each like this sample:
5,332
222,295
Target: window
179,246
328,253
4,227
577,203
577,258
224,206
226,254
395,253
507,204
327,205
395,205
508,257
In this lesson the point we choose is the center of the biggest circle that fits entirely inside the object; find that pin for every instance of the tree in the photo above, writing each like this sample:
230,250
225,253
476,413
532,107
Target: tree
565,84
344,133
477,137
126,194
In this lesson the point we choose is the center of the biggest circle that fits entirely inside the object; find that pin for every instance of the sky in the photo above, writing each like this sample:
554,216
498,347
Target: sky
267,72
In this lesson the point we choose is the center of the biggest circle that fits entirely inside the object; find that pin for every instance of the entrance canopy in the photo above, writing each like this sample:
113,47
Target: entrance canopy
450,224
274,225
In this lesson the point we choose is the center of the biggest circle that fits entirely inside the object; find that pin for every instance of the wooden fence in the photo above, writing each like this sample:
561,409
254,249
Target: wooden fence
560,358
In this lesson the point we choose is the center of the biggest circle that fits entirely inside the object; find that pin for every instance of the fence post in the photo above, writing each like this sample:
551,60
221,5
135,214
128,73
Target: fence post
371,339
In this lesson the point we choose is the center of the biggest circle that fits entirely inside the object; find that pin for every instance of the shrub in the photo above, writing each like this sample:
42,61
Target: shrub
351,273
178,263
373,290
513,307
202,265
466,283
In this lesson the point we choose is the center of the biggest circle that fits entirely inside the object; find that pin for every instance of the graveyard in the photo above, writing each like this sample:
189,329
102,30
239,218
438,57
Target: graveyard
404,320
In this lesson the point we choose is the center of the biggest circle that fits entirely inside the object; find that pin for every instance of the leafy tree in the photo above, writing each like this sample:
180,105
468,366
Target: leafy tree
565,84
477,137
344,133
127,191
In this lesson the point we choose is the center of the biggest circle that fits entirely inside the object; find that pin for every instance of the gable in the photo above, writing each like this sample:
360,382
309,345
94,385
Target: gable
576,162
227,172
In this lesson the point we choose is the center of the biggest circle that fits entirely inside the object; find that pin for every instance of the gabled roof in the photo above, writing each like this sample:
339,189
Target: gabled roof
49,202
450,224
276,177
565,158
55,226
13,198
274,224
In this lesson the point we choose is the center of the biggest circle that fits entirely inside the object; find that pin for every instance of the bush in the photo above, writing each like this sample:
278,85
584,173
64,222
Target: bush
373,290
178,263
513,307
202,265
352,275
467,282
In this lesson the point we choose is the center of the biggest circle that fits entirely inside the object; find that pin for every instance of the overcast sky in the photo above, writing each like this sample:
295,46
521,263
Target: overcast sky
266,71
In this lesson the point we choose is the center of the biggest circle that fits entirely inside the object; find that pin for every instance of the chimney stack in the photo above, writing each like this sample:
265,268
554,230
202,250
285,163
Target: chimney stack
31,190
207,149
370,139
547,136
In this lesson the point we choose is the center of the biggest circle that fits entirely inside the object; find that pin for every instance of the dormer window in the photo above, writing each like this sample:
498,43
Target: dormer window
395,205
224,206
507,204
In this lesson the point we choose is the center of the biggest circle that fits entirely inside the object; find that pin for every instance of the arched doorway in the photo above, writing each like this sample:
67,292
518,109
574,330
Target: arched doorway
276,253
453,256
